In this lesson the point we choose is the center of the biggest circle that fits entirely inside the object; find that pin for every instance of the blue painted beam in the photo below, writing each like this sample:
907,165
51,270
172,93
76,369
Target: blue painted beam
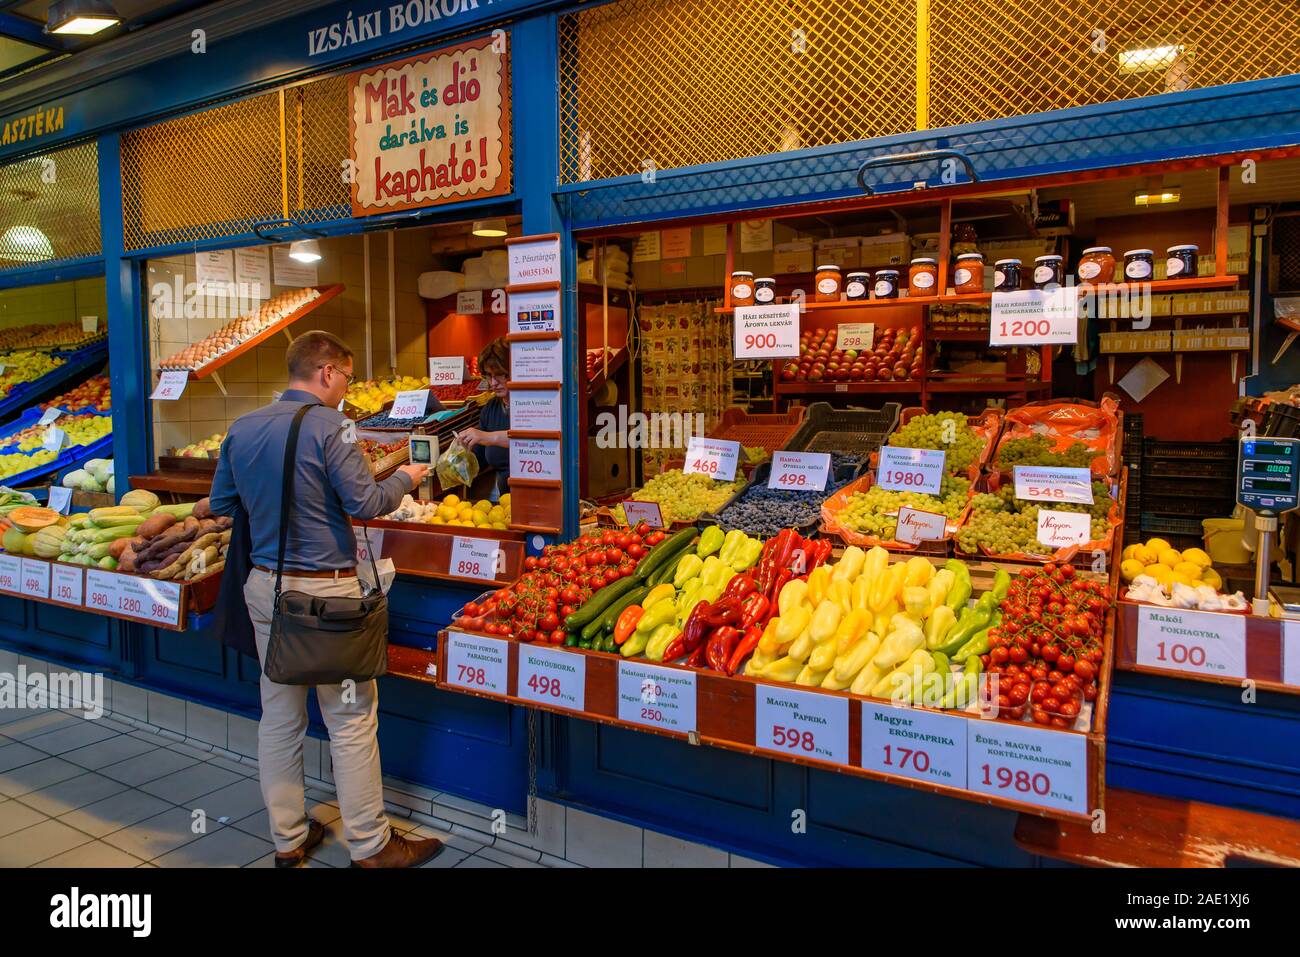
28,31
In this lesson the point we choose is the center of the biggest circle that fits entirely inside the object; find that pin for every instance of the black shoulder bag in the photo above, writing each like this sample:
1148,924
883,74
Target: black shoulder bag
316,640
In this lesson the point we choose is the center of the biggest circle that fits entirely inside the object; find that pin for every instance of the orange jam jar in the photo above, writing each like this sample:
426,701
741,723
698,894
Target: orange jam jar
828,284
923,278
968,276
1097,265
742,288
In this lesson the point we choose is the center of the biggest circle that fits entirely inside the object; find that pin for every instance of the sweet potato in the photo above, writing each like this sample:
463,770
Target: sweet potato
115,549
155,524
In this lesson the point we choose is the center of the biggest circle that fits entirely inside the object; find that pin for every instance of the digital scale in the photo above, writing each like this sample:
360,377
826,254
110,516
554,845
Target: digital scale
423,450
1268,482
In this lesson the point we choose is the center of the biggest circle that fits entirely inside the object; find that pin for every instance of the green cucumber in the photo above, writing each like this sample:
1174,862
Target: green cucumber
600,601
610,618
664,551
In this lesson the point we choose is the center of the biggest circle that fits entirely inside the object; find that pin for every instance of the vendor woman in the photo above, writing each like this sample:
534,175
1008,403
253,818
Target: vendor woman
489,441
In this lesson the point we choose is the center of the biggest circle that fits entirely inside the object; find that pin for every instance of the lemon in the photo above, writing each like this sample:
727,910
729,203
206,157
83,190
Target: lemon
1131,553
1190,569
1178,578
1130,569
445,512
437,520
1161,573
500,526
1157,545
1210,577
480,519
482,505
505,500
1171,557
496,513
451,500
1197,556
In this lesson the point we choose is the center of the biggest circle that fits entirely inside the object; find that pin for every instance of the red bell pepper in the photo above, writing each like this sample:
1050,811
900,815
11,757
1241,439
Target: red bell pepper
721,643
787,541
696,627
744,648
740,587
754,608
696,660
676,648
723,612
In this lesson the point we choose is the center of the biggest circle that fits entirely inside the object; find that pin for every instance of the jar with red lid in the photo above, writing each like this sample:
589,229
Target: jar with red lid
828,284
923,277
1097,265
742,288
857,286
1006,275
1183,262
968,276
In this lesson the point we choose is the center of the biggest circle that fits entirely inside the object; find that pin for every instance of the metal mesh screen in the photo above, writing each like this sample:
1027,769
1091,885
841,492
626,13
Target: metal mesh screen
686,82
49,208
317,121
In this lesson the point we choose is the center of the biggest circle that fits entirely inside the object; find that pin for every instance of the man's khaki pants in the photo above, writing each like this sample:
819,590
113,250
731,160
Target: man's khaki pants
351,716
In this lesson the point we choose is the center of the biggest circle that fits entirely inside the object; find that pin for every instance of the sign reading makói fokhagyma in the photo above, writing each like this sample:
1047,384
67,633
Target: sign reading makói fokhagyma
432,129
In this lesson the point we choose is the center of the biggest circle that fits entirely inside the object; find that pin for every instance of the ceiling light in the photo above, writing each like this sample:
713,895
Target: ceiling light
1149,58
490,228
305,251
81,18
1159,197
25,244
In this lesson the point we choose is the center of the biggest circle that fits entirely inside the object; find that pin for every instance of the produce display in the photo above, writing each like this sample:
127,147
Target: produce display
452,510
1001,524
84,429
1159,574
94,476
765,511
11,501
447,394
553,598
377,451
175,544
373,394
873,511
896,355
1037,450
1056,433
682,497
949,432
41,335
23,367
94,393
15,463
382,420
238,331
203,448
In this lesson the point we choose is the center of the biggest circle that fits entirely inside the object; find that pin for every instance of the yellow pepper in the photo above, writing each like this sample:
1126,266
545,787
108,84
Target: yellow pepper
658,594
825,620
888,586
809,677
919,571
897,685
841,593
916,601
768,644
819,580
939,624
850,662
877,559
939,585
802,647
861,597
783,669
792,595
792,623
850,565
852,627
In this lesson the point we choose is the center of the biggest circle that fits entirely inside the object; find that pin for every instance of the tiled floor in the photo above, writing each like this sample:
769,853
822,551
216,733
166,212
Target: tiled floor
102,793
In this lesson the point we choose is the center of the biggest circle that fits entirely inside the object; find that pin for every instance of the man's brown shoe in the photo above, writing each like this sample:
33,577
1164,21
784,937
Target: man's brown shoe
402,852
315,834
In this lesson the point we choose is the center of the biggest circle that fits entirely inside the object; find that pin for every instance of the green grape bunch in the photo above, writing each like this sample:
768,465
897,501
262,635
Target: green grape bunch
948,432
875,511
1005,525
681,497
1037,450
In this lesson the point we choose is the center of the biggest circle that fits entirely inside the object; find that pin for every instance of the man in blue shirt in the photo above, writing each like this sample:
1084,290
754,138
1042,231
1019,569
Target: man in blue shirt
332,481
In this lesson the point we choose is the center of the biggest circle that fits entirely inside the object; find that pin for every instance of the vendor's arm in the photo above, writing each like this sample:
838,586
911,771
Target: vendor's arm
473,438
224,497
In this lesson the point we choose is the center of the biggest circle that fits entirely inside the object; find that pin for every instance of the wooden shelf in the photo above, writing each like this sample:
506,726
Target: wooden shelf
999,386
1167,285
846,305
602,375
175,481
904,387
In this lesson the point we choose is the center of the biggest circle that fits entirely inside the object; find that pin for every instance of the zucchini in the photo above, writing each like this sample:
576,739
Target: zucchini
598,602
610,617
666,573
664,551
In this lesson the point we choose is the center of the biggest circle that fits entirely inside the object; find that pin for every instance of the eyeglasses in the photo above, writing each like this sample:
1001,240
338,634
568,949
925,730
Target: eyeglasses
350,376
487,380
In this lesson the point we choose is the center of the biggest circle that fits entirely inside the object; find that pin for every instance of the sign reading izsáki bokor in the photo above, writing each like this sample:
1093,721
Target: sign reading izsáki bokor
432,129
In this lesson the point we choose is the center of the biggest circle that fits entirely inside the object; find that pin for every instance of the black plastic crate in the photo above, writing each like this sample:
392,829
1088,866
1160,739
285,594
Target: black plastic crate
1174,505
852,431
1225,451
1189,468
1170,525
1281,421
1195,488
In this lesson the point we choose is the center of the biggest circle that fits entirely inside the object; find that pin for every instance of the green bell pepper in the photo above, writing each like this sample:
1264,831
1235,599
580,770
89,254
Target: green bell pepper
659,641
660,613
749,552
635,644
731,546
689,567
686,598
711,539
959,593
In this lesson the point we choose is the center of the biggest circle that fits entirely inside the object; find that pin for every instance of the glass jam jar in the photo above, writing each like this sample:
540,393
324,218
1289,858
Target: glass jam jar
828,284
1048,272
922,277
1097,265
764,291
742,288
1006,275
1138,265
1183,262
886,284
857,285
969,274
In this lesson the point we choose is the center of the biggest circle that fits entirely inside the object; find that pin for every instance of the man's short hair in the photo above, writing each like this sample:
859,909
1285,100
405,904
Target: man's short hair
314,349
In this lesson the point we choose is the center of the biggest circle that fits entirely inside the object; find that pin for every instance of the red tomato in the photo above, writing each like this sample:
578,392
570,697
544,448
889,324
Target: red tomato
1050,654
472,609
557,636
654,538
530,562
1040,716
636,551
549,622
1065,662
1085,670
570,596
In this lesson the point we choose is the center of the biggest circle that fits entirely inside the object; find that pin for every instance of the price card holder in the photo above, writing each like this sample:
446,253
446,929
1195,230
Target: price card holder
35,580
914,743
855,335
767,332
647,512
101,590
1041,484
171,385
67,584
715,458
54,439
800,471
1062,529
146,599
552,677
801,724
478,558
536,459
1200,642
11,573
410,405
656,697
910,470
1028,764
1035,317
915,526
60,499
448,370
477,663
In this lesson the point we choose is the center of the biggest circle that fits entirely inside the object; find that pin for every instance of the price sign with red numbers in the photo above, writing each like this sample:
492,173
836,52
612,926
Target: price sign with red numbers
1035,317
656,697
854,335
715,458
11,573
410,405
477,558
101,590
801,723
767,332
552,676
910,470
1024,763
171,384
1044,484
535,459
146,599
446,370
66,584
1202,642
35,581
477,663
800,471
914,743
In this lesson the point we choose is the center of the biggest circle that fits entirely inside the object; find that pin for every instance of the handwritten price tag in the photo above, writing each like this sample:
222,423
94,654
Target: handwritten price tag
1023,763
54,439
767,332
914,744
477,558
801,723
535,459
712,457
800,471
915,526
476,663
49,415
855,335
60,499
647,512
554,677
656,697
11,573
1035,317
171,384
448,370
1042,484
910,470
410,405
1202,642
66,584
35,580
1060,529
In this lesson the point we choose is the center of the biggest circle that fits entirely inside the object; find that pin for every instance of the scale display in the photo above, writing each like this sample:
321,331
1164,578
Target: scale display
1268,474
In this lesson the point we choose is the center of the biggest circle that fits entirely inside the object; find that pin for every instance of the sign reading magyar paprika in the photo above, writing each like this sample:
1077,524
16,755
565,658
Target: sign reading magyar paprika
432,129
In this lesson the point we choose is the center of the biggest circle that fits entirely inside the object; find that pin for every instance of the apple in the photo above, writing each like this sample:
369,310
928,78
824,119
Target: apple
842,374
883,374
900,372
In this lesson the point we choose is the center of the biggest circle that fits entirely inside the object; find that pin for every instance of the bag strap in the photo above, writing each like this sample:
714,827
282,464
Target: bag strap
286,491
